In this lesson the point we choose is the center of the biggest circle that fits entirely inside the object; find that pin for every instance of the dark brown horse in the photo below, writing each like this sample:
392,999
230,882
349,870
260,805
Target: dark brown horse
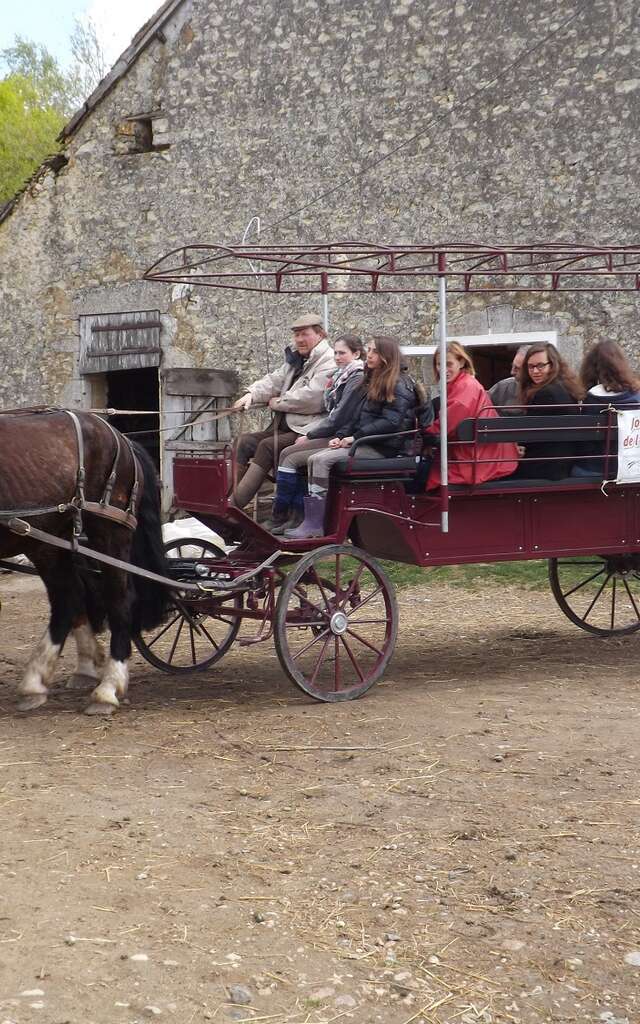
50,461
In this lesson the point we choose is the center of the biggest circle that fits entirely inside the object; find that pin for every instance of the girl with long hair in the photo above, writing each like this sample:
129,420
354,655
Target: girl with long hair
386,404
466,399
609,380
548,387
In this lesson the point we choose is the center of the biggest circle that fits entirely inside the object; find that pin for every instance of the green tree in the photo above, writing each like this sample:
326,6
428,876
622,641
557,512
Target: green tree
33,62
63,89
28,131
37,97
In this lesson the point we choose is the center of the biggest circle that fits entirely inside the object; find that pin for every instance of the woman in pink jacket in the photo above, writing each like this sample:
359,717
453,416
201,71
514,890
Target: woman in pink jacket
466,399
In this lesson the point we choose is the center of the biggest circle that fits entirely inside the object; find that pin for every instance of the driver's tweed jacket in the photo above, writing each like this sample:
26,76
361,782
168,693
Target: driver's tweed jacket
301,400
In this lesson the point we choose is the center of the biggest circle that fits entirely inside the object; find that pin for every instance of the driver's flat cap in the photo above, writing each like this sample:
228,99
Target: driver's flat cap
308,320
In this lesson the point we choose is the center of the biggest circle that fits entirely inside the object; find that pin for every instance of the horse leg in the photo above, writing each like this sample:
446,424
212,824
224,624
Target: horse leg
65,600
34,686
115,677
91,656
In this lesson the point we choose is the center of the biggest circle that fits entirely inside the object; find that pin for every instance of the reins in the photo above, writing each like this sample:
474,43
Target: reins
198,421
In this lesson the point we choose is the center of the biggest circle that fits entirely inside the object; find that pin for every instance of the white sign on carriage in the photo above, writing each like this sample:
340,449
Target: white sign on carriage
628,446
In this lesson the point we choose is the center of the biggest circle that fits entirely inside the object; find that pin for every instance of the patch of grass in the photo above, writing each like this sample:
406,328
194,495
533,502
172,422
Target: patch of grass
531,574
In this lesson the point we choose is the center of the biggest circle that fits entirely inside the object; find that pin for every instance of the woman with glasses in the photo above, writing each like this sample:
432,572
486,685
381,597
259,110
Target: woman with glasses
547,388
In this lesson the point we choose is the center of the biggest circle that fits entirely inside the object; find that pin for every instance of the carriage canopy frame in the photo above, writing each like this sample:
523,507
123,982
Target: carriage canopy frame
360,268
348,268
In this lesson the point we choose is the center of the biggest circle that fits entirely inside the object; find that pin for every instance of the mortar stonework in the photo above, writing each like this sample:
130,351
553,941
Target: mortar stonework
262,108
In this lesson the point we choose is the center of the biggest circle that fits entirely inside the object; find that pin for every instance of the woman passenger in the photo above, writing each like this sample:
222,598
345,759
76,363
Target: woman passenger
466,398
341,396
547,388
609,380
386,404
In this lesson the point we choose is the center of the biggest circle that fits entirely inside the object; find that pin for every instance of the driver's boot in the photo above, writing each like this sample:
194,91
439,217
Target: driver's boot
248,486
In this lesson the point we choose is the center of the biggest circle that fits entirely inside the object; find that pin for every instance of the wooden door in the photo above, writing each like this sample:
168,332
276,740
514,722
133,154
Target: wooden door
120,341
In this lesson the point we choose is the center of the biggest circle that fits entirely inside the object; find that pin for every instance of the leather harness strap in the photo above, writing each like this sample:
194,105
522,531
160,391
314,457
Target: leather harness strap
78,503
212,586
104,508
128,515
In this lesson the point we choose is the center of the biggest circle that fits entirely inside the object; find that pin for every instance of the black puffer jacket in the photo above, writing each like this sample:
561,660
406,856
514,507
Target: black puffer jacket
385,418
347,400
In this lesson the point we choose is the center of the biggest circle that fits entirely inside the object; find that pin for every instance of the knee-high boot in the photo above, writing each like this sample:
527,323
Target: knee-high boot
286,486
249,486
241,469
313,523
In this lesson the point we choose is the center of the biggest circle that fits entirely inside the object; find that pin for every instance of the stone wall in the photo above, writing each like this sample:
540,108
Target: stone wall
257,110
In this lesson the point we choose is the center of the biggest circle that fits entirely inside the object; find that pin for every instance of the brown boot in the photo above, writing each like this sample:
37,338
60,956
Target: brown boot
241,469
248,487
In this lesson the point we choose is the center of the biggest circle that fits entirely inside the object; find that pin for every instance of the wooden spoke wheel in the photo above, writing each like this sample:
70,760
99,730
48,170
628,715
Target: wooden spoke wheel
598,593
336,623
194,636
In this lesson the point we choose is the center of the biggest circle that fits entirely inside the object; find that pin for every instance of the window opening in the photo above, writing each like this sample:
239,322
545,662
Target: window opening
142,133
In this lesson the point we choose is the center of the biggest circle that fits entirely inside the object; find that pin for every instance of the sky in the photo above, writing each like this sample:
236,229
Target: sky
50,22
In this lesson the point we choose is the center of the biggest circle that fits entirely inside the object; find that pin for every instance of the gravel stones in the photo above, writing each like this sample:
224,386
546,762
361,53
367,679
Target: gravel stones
239,994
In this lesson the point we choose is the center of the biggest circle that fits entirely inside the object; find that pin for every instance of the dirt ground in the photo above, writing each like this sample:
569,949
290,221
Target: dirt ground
462,844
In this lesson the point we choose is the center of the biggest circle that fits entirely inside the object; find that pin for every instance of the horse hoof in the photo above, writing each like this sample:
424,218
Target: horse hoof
100,709
32,701
80,681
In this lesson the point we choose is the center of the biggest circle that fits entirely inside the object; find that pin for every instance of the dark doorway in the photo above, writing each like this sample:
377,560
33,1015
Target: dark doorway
136,391
492,362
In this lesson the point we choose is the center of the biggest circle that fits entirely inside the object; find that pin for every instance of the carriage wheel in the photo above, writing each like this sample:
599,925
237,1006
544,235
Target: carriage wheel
598,593
191,640
336,623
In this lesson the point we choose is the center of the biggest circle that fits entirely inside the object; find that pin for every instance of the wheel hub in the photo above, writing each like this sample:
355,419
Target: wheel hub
338,623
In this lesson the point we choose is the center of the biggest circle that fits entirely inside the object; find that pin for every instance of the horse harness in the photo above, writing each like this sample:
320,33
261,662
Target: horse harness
78,503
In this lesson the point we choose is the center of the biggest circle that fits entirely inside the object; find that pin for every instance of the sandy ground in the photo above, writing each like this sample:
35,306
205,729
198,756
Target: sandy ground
462,844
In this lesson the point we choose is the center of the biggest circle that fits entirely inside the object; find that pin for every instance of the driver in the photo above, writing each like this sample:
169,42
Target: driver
295,393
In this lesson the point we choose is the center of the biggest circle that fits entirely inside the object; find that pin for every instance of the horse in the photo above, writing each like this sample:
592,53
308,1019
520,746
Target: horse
72,475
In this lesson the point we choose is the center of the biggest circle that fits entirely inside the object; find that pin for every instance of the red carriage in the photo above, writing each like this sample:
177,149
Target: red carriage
328,603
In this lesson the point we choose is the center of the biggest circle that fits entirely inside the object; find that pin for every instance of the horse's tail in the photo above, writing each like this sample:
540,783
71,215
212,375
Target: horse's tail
151,601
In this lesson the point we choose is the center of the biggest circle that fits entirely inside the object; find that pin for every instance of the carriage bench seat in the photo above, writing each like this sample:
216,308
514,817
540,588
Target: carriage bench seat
521,429
398,468
562,428
522,484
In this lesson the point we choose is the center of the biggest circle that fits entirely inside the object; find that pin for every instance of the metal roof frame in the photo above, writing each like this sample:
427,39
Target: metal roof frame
348,268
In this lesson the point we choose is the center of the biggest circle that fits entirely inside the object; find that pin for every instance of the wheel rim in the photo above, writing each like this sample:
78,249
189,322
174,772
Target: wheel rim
191,639
599,594
336,623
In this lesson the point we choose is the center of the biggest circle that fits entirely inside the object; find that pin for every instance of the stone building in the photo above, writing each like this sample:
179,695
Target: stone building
412,120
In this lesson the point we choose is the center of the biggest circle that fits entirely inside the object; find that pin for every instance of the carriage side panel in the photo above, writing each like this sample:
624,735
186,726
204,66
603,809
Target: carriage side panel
586,522
200,485
490,526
